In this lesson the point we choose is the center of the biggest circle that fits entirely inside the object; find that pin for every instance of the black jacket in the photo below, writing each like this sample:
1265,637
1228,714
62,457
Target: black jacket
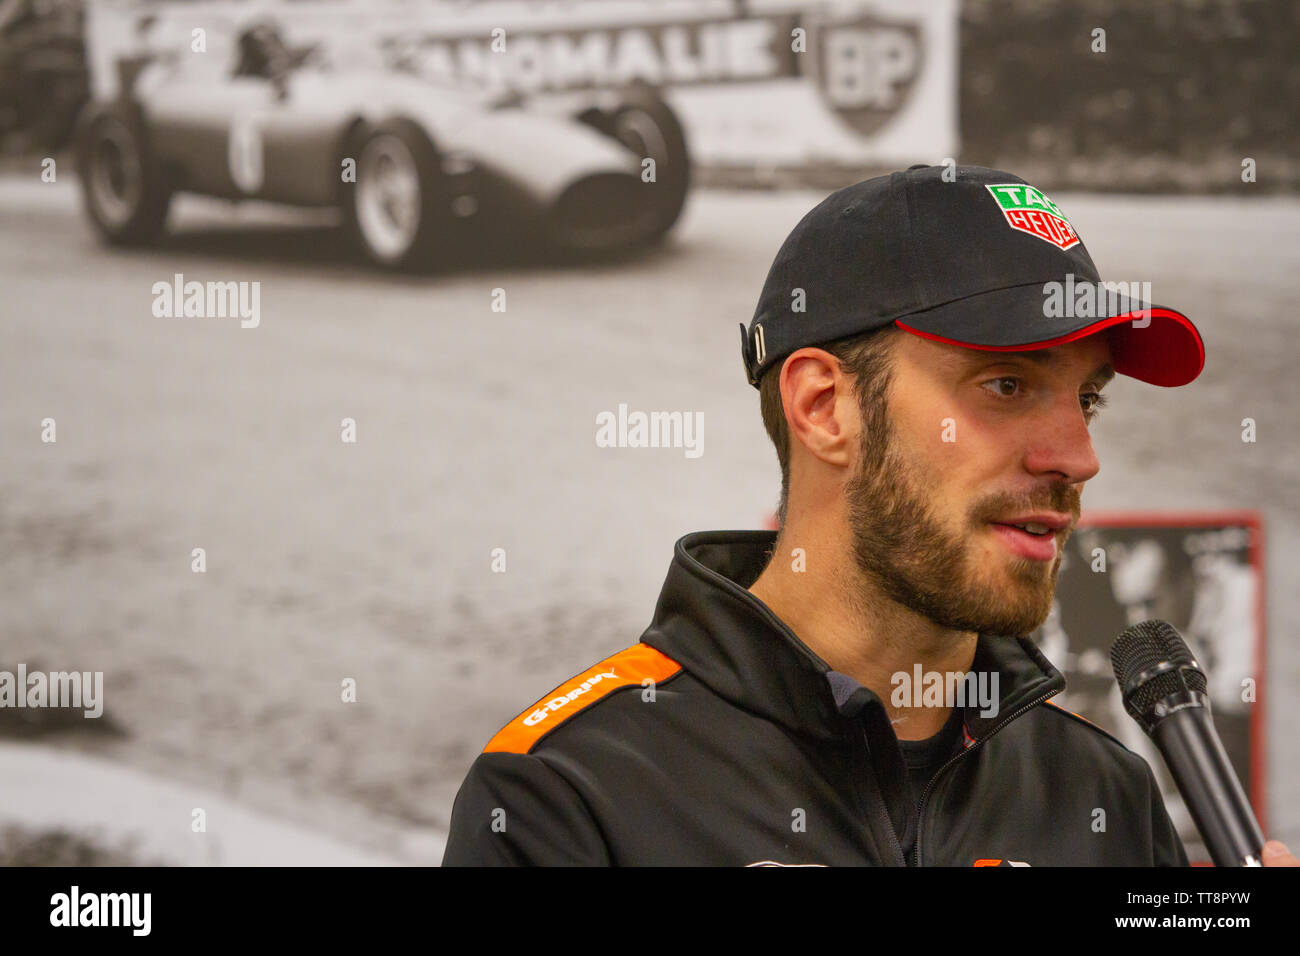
721,739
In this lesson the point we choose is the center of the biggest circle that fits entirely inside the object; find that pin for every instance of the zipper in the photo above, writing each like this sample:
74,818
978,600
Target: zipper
889,821
726,584
925,794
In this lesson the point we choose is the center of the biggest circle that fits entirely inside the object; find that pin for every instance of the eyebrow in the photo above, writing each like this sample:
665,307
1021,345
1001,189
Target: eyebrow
1102,374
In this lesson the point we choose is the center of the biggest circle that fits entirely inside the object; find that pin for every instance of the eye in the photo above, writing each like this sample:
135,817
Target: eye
1097,403
1008,386
997,383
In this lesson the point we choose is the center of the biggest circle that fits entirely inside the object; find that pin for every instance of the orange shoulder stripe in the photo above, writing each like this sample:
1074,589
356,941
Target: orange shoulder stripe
1095,726
629,666
1071,713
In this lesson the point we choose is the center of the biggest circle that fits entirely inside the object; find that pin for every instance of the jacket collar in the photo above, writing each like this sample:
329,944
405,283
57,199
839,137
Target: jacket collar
709,622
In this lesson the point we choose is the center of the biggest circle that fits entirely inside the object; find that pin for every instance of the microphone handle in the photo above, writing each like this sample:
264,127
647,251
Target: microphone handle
1204,775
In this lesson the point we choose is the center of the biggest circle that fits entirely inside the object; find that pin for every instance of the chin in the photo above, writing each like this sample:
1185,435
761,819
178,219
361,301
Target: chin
1029,606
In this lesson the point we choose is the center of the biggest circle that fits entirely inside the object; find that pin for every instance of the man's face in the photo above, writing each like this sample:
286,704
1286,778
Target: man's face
972,439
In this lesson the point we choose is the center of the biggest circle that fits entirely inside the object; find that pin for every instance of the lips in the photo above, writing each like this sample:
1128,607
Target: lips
1041,521
1032,527
1025,543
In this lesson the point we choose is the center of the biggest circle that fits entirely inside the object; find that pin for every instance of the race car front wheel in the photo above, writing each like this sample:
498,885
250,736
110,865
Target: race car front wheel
396,211
122,184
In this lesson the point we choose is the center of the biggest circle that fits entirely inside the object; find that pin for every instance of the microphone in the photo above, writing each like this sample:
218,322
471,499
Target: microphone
1164,690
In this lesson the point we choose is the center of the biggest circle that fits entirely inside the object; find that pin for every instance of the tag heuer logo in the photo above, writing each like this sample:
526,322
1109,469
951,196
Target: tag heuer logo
1028,210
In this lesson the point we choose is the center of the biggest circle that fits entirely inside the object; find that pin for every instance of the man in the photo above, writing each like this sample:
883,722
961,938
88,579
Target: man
858,688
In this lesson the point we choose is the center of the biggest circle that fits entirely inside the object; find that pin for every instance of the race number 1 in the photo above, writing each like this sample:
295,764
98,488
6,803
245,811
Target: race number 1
245,155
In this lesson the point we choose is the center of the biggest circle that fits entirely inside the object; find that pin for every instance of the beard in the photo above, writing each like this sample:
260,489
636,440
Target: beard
911,556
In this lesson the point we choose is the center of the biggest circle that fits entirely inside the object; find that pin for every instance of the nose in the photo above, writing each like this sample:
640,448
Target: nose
1061,444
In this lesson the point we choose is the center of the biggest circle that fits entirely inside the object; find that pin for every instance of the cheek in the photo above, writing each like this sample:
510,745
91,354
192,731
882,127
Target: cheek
969,450
967,464
956,449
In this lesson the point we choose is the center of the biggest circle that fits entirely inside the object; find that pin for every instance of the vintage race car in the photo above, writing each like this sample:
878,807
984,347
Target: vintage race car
411,164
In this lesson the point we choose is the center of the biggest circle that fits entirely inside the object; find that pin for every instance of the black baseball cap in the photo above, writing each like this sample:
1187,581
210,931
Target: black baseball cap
963,258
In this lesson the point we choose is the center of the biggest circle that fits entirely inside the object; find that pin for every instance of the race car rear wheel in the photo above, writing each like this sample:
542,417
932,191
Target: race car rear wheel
396,210
122,184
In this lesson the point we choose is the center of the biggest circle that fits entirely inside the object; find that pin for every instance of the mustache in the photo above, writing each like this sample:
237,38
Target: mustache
1066,500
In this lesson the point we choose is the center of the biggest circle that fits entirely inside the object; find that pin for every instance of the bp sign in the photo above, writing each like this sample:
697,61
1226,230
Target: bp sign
864,67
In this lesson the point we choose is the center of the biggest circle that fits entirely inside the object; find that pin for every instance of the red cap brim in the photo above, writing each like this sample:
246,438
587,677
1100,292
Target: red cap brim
1158,346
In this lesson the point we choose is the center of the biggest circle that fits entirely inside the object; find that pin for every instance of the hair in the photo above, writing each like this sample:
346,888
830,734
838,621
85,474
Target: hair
868,358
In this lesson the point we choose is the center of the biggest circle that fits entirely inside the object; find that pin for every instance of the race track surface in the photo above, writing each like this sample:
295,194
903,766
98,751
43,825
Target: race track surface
372,560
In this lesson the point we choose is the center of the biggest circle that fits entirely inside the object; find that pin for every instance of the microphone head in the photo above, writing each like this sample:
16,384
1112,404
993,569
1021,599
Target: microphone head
1156,672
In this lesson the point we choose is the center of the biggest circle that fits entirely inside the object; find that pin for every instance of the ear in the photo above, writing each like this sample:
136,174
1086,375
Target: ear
821,410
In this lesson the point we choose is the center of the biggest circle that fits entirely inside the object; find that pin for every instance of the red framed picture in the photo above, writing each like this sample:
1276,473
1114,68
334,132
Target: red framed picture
1202,572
